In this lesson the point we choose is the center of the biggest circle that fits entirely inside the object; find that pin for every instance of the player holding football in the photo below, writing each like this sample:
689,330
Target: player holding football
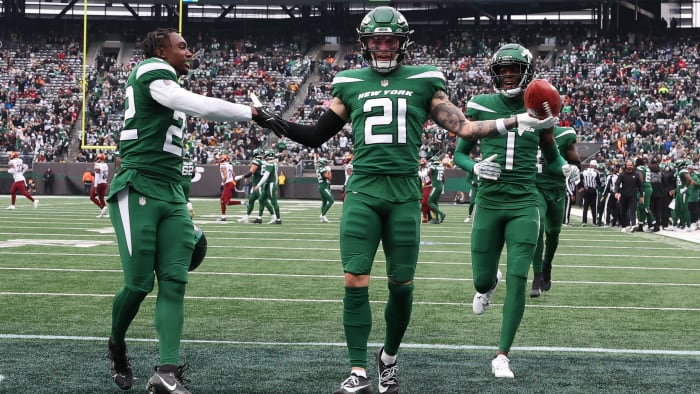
148,207
323,175
506,211
99,186
17,168
387,104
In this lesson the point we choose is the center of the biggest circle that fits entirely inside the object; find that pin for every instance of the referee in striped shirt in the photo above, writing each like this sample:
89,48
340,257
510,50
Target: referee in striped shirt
590,182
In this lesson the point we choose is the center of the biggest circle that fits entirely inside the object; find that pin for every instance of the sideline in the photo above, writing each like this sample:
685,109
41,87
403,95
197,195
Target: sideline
692,236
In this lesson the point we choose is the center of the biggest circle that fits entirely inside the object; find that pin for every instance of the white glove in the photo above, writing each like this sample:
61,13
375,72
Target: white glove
238,178
487,169
683,190
571,172
528,123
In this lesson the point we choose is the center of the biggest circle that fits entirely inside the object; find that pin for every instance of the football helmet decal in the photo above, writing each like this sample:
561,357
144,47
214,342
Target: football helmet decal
200,248
507,55
384,21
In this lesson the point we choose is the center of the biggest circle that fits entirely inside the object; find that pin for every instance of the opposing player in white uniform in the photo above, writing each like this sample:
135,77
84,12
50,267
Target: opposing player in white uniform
99,186
227,185
17,168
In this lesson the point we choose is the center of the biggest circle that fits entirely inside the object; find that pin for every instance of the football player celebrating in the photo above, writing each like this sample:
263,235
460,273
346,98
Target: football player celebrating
148,207
227,185
387,104
17,168
506,210
323,175
99,186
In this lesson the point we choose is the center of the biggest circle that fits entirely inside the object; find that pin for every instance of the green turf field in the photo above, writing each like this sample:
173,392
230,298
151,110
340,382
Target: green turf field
265,317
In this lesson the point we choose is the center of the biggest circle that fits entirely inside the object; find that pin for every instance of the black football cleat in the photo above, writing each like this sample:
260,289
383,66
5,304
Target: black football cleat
120,370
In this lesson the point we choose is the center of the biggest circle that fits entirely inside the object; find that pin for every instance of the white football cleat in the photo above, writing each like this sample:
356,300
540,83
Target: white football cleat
10,207
482,301
500,366
467,219
243,219
273,219
36,203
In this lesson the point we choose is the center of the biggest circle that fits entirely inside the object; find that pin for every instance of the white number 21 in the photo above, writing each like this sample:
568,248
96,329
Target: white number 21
386,118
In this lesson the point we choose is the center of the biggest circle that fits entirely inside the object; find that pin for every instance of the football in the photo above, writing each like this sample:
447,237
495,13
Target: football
542,99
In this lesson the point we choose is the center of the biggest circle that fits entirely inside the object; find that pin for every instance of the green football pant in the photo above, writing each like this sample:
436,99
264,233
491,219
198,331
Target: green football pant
551,204
366,221
268,198
644,214
518,230
434,200
156,240
326,199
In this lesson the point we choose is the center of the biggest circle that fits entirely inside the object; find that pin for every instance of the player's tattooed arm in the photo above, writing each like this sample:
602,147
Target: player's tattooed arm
451,118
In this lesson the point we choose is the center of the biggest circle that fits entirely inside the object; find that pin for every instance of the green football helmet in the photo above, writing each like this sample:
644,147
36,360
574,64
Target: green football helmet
507,55
322,162
270,154
680,164
200,249
383,21
258,153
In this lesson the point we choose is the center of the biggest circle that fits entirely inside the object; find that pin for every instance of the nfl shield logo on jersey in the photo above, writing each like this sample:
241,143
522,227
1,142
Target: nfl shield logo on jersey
384,83
142,200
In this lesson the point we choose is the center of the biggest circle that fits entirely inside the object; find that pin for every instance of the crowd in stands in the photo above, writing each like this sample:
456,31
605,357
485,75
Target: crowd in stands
40,94
632,95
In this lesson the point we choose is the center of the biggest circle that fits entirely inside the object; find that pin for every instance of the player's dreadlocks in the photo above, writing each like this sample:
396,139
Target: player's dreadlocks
156,39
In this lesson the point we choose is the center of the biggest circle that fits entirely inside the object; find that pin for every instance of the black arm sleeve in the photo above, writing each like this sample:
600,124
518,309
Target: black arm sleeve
328,125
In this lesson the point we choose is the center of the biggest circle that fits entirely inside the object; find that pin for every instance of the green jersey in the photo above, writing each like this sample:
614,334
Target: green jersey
150,143
322,181
437,176
271,169
516,153
387,112
189,169
258,173
693,189
564,137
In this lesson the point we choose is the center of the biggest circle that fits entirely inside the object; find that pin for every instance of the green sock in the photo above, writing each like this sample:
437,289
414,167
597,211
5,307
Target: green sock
357,321
124,308
169,317
397,315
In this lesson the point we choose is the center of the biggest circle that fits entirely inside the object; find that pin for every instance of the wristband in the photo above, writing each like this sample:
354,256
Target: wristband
501,126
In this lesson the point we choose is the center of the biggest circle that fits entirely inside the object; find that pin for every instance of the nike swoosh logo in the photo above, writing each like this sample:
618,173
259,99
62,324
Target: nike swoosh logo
356,389
170,387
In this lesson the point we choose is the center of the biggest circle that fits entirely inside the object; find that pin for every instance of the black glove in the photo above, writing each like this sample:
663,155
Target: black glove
271,121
